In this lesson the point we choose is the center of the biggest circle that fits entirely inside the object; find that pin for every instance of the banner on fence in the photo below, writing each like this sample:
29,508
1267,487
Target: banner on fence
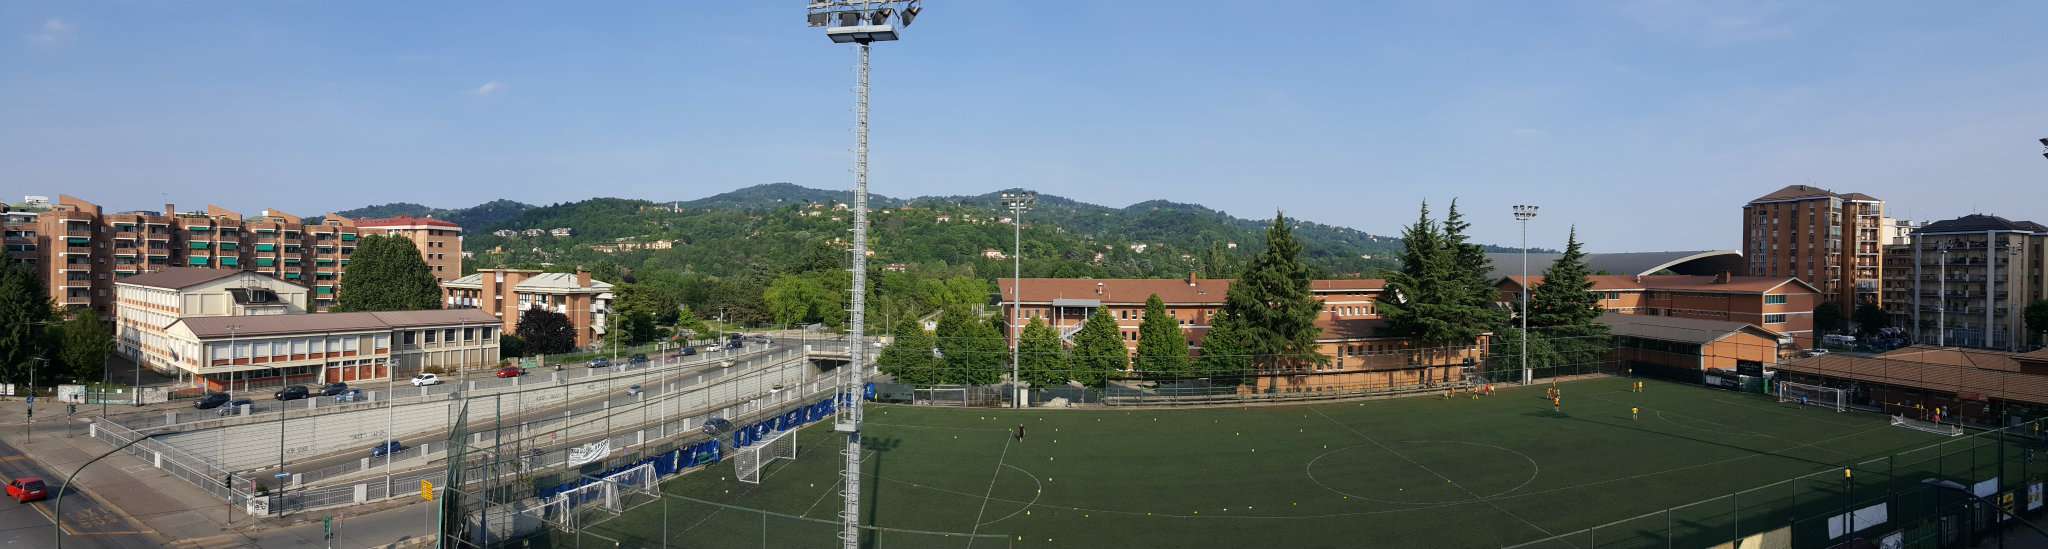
1861,519
2033,496
589,452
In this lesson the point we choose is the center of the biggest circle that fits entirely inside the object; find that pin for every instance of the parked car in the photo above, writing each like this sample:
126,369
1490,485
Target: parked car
26,489
234,407
690,351
511,371
350,395
1814,352
293,392
423,380
601,363
633,390
638,359
386,449
211,401
333,389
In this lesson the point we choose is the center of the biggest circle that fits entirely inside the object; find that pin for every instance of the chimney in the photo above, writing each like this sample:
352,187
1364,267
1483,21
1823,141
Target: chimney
170,209
1639,279
1721,278
1191,279
582,278
1098,289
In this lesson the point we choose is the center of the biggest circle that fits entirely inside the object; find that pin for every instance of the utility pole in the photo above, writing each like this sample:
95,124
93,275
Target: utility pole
1941,307
861,22
1523,213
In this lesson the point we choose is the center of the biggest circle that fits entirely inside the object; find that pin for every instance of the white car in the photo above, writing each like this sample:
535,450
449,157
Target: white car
423,380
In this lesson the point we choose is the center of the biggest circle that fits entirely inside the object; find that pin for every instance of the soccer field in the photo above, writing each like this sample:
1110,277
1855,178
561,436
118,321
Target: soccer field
1406,472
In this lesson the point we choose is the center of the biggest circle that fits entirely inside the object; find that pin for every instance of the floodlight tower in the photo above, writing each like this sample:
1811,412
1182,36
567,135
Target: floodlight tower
2044,147
1523,213
862,22
1017,203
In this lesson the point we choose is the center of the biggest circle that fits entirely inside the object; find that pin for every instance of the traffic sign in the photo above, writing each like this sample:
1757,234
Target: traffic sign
426,490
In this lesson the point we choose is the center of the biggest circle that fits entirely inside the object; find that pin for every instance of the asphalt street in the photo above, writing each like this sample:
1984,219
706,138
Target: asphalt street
88,522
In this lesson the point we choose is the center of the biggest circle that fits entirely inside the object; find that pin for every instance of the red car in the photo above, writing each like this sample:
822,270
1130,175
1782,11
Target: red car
26,489
510,371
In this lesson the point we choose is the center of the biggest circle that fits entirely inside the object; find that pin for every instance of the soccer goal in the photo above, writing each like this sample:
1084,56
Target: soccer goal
637,480
748,462
1927,426
1813,395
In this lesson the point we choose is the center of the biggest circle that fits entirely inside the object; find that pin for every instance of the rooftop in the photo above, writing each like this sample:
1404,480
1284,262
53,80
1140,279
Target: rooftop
1689,283
1806,192
1693,262
1684,330
1977,223
178,278
1191,290
214,327
406,221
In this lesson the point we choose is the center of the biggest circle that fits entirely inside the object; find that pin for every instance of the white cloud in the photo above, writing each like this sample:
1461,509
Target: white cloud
490,87
54,30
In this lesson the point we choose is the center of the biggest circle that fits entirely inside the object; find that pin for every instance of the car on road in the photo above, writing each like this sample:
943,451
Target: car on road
690,351
386,449
26,489
637,359
511,371
423,380
293,392
601,363
1815,352
351,395
333,389
234,407
633,390
211,401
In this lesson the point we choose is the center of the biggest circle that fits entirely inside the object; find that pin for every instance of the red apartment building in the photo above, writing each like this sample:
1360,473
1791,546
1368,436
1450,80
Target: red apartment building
1834,240
440,242
1361,356
1780,305
505,293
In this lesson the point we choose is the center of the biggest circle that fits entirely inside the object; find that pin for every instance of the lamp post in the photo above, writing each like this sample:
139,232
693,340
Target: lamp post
32,395
1941,307
57,507
1017,203
861,22
1523,213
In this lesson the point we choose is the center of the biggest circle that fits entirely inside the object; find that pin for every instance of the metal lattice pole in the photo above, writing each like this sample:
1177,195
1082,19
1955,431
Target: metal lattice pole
856,351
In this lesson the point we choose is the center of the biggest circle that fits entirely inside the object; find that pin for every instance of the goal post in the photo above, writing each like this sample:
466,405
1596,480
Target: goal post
1927,426
748,462
1813,395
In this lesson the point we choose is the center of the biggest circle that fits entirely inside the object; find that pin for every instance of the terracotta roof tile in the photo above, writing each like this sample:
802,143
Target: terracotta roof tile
178,278
1171,290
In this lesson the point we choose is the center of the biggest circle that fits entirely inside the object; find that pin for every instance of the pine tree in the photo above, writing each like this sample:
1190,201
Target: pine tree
971,351
24,307
1225,358
1099,351
909,358
1426,301
1564,312
86,342
1162,346
1041,359
1275,306
1477,298
386,273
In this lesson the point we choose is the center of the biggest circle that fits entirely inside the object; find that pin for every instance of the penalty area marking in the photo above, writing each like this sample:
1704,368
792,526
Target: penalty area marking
1534,471
1035,494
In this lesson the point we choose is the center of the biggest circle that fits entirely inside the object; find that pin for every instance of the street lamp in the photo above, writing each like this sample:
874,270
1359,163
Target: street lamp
32,395
2044,147
1523,213
862,22
1017,203
1941,307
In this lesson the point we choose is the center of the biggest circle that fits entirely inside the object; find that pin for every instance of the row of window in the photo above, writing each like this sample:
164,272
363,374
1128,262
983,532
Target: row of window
408,337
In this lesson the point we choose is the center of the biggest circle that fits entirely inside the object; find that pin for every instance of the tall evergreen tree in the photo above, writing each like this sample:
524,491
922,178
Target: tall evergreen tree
1477,298
1422,296
1275,307
1225,356
1099,351
86,342
1563,312
24,308
972,351
1162,346
386,273
909,358
546,332
1041,359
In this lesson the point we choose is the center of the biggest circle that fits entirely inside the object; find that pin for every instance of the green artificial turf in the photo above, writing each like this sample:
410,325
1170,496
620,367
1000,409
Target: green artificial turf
1406,472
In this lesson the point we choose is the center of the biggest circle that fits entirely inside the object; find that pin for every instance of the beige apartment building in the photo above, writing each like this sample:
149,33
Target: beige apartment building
148,303
505,293
1966,282
81,250
1833,241
440,242
233,353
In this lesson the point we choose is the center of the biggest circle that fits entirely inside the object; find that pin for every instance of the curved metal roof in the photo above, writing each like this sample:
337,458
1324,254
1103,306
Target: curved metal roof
1698,262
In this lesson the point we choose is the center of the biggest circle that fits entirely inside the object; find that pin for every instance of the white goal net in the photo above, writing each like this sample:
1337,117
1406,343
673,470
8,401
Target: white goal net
637,480
1813,395
1927,426
748,462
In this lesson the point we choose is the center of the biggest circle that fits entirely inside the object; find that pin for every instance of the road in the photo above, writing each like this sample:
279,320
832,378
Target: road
88,522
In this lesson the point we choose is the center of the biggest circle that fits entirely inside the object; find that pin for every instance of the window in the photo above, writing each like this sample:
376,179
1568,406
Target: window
1774,300
430,335
1774,319
448,335
405,337
469,334
1613,295
487,333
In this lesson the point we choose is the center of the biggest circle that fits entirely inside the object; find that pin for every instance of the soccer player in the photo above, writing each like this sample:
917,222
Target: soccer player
1634,412
1557,404
1020,432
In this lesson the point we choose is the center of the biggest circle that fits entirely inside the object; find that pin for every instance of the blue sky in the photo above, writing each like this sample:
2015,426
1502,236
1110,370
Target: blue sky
1647,124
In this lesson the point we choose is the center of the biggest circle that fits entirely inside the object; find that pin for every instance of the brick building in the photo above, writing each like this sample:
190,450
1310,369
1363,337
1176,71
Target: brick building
504,293
439,242
1688,349
1362,355
1781,305
1833,241
1993,268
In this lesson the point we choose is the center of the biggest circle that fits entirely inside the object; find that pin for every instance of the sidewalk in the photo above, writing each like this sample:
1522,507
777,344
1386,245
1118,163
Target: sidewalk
182,514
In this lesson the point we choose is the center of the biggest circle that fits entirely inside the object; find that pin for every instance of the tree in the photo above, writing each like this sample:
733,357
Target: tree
1162,346
972,351
909,358
86,342
1870,319
1828,319
2037,317
510,346
1099,351
638,328
546,332
1474,304
386,273
1224,356
1564,313
1275,307
1041,358
24,308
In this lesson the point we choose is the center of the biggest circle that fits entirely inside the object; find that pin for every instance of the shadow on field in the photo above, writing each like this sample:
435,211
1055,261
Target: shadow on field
1772,453
881,446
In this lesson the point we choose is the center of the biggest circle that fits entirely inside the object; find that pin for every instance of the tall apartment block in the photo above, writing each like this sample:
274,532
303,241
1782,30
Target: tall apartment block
440,242
1833,241
81,251
506,293
1966,282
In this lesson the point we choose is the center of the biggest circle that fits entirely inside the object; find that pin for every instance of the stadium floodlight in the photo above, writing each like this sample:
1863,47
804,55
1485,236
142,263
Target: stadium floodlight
1017,203
2044,140
1523,213
850,16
